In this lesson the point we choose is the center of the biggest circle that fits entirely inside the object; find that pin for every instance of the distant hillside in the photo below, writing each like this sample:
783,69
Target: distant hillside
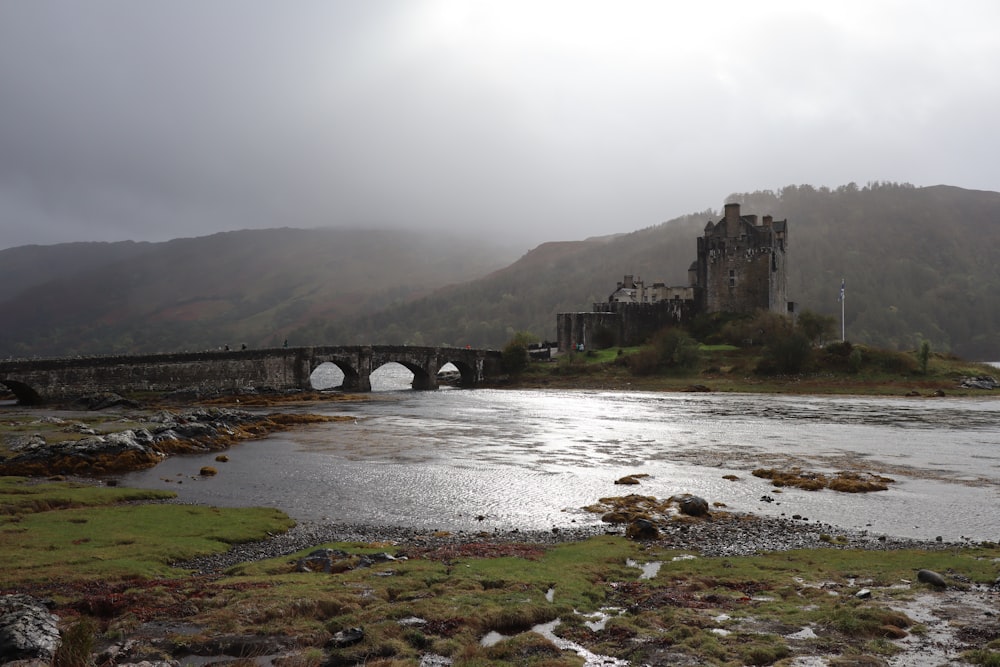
919,263
251,287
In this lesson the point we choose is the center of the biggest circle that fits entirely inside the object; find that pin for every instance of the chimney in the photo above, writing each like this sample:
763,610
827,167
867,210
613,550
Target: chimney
732,220
732,212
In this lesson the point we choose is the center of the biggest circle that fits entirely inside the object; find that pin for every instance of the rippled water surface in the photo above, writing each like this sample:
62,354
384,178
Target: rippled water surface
479,459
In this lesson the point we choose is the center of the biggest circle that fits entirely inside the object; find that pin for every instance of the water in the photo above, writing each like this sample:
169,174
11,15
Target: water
483,459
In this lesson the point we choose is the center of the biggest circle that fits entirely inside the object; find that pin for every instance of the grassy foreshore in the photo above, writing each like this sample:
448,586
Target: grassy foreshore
729,369
118,565
108,558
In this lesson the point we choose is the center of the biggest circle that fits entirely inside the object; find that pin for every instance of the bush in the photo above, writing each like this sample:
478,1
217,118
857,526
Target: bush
855,360
515,353
839,349
924,355
890,361
814,326
787,353
644,362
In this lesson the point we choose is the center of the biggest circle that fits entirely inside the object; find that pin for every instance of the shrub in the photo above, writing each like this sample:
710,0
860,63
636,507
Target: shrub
924,355
855,360
785,353
77,644
675,349
890,361
515,353
644,362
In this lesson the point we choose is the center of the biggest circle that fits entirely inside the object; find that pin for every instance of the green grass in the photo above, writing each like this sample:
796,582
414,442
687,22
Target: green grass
726,368
20,495
115,559
59,529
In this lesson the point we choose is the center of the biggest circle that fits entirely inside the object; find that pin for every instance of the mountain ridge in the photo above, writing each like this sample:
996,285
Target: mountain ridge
919,263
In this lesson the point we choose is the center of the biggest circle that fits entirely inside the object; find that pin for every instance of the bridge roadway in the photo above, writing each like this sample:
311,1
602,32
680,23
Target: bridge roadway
40,380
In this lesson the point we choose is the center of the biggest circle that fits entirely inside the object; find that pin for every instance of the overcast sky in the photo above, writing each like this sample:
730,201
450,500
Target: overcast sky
156,119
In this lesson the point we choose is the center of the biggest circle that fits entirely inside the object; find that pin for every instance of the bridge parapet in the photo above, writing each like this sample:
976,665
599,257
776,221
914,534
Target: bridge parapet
39,380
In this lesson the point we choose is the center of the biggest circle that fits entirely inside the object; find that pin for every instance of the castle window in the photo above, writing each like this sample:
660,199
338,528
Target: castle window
732,278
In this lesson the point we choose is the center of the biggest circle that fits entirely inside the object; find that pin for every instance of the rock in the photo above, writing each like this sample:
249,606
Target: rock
697,388
981,382
642,529
863,594
692,505
372,559
104,400
320,560
932,578
28,631
347,637
628,479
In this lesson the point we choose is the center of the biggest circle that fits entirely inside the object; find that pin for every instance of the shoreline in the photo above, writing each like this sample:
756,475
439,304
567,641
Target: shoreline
724,534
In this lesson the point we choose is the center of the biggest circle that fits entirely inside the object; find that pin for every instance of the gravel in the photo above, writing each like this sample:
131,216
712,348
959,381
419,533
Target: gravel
724,534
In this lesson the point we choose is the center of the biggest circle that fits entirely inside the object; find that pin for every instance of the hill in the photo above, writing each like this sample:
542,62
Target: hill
919,263
251,287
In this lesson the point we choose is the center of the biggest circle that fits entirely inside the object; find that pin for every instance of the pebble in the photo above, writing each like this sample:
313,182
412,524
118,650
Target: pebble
724,534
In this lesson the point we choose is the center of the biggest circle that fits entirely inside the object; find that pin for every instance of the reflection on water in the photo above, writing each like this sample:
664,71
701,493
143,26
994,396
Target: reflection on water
482,459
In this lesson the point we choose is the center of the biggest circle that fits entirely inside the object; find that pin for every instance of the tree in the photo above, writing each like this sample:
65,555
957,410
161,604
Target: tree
515,352
924,355
816,327
785,353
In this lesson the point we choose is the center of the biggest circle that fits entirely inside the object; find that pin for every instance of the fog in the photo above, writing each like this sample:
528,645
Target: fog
518,120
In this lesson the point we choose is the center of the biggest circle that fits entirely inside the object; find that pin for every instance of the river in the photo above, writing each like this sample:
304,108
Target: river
487,459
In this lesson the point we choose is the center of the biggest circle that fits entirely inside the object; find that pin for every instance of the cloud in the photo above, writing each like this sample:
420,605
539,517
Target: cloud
534,120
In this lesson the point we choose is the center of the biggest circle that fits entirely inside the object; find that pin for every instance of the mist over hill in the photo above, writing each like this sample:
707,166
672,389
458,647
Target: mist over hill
250,287
919,263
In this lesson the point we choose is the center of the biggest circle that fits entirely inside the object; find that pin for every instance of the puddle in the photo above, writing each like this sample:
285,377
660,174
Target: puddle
589,659
492,638
804,633
600,618
649,570
547,630
942,614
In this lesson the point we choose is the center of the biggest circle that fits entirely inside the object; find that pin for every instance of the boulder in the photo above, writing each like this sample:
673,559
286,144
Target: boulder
931,578
981,382
642,529
320,560
692,505
28,630
347,637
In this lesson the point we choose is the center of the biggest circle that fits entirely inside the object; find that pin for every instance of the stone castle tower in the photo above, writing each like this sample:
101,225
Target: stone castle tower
741,265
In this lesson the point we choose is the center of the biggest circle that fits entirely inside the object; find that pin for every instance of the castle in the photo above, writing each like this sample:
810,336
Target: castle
741,268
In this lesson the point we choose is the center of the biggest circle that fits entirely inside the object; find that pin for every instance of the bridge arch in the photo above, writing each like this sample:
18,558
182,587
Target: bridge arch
25,393
470,374
349,367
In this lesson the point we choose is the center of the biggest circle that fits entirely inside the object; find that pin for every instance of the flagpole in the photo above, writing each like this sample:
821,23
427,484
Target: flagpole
843,322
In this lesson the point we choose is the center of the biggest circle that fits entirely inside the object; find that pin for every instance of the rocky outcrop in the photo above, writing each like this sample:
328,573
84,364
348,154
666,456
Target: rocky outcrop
203,429
28,630
981,382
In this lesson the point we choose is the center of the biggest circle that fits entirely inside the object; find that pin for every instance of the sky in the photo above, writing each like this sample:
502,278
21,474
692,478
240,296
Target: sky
526,120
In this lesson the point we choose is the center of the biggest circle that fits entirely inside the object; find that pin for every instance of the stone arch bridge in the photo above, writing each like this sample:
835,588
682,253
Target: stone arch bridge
40,380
